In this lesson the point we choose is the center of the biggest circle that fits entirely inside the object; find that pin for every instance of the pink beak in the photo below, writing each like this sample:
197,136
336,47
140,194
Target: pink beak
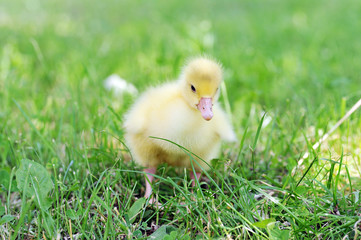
205,107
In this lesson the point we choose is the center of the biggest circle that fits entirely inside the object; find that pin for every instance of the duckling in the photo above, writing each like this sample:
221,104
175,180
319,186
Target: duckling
185,112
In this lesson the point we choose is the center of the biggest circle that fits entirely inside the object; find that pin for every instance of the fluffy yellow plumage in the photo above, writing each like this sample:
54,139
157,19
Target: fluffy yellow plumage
185,112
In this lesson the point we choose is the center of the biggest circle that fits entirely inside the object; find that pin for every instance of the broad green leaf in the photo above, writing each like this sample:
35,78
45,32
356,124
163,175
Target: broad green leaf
39,183
162,232
277,234
73,215
2,210
264,223
301,190
4,180
137,234
135,209
70,213
6,219
173,236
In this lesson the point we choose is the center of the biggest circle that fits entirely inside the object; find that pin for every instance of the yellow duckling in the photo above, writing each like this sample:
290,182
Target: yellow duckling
185,112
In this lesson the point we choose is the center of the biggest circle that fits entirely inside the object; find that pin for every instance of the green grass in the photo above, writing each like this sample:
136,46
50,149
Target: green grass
297,61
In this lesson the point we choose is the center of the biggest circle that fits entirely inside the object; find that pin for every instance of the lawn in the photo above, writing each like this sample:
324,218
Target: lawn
291,70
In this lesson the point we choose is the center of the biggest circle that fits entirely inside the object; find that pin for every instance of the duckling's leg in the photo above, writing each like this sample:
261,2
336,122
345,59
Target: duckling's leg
148,180
193,177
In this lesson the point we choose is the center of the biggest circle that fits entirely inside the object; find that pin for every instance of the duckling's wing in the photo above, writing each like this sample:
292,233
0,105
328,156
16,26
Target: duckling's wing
224,127
148,106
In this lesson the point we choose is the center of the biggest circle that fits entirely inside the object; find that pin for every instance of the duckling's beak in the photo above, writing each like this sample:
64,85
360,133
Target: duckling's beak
205,107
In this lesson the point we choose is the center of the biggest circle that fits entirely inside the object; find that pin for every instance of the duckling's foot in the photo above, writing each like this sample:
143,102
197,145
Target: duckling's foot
148,187
198,175
148,180
153,201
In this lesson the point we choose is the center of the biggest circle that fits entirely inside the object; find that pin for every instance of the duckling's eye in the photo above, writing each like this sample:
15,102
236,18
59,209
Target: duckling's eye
193,88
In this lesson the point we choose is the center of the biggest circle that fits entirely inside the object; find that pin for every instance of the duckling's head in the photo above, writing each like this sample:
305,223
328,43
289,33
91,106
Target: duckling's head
200,80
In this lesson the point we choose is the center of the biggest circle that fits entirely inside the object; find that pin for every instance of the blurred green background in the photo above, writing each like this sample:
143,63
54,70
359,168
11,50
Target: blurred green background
306,52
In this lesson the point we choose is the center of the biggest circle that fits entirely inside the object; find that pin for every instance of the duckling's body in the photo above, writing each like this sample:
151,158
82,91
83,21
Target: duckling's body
161,112
184,112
